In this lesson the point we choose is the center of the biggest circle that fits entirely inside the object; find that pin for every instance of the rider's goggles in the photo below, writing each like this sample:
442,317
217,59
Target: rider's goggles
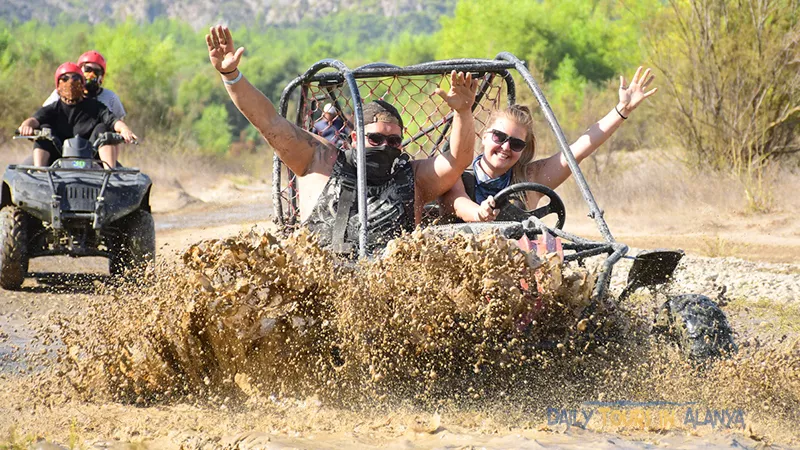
70,76
95,70
500,138
392,140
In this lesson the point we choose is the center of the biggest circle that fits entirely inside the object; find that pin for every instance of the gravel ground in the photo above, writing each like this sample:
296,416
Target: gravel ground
742,280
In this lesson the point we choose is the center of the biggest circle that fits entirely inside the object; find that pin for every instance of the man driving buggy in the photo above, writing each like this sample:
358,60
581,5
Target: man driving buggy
397,187
72,115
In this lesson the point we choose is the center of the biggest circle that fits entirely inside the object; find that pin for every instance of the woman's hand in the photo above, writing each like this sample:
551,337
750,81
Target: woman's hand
221,50
461,95
632,95
487,211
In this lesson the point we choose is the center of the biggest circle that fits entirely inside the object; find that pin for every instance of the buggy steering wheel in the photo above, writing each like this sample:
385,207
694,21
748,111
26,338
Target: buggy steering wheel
503,202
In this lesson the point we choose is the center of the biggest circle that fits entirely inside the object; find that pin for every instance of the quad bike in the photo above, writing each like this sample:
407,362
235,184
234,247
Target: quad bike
76,207
694,322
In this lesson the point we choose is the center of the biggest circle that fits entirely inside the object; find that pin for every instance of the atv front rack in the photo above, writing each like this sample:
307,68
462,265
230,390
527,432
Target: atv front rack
56,215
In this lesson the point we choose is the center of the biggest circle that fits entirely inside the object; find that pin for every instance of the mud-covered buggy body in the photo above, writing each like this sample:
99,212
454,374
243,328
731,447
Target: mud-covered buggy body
694,321
75,207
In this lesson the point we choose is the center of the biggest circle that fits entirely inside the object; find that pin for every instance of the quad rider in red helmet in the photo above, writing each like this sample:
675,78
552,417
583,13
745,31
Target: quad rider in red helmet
74,114
93,66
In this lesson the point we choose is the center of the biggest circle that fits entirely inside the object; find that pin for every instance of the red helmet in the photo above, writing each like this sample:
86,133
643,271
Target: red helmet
69,67
92,57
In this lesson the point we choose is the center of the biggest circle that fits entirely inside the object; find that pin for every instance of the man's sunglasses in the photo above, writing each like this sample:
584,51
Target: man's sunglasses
500,138
70,76
392,140
95,70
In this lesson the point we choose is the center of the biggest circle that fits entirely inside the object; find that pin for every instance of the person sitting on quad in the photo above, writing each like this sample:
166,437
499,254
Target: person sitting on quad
331,126
397,187
509,146
72,115
93,66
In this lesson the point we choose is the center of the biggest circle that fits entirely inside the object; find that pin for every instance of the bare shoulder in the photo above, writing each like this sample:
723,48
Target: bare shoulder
325,155
302,152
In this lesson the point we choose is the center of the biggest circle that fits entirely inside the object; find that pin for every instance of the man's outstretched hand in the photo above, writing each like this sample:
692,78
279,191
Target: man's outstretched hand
221,49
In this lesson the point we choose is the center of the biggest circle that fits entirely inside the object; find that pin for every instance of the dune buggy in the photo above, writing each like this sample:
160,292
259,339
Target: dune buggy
76,207
693,321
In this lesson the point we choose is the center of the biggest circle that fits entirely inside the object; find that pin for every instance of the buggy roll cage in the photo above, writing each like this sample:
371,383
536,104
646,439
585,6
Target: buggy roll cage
499,66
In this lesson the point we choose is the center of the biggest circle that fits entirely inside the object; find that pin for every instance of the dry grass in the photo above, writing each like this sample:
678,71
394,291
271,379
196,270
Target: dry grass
719,247
770,315
659,183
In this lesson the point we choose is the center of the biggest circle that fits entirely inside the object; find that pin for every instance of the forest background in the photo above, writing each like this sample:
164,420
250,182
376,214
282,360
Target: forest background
727,70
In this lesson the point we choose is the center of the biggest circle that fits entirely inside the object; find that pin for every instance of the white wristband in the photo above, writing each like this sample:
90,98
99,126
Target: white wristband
233,81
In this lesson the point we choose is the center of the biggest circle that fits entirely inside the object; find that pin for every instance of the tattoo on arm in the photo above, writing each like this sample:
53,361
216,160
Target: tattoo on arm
290,141
322,150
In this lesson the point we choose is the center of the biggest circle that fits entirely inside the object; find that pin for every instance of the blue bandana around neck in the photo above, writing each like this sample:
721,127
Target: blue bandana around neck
483,189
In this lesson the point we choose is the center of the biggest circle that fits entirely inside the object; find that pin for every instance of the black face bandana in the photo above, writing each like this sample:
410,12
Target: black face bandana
380,161
92,87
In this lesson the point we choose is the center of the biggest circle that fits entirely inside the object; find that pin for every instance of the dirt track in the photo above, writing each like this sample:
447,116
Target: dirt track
753,289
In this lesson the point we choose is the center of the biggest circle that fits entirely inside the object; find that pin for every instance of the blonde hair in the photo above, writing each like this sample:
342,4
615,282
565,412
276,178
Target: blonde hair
521,115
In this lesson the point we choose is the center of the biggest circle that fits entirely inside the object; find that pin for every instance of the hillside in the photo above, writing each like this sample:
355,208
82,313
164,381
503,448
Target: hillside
201,13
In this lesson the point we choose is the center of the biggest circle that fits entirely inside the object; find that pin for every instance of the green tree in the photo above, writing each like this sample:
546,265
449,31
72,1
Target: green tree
600,36
212,129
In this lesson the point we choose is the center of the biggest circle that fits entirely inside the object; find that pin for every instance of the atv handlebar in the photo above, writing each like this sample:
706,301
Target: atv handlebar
110,138
45,134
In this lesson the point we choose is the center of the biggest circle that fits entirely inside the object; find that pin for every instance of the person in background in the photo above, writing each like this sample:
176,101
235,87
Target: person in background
93,66
331,126
72,115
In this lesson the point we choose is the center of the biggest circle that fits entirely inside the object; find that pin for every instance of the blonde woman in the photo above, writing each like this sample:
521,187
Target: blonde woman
509,146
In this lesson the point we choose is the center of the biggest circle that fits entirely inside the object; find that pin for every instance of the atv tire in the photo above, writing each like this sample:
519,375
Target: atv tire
13,247
135,246
697,325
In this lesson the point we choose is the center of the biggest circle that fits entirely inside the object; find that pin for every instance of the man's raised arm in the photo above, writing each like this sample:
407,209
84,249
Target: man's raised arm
296,147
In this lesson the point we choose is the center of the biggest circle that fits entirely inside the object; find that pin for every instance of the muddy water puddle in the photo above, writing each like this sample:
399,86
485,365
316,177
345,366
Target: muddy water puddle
256,342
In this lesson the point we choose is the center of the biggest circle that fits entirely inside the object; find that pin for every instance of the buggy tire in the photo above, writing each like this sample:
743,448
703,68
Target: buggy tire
135,247
13,247
697,325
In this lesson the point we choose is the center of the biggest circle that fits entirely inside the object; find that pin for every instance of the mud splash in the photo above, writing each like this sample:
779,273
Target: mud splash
468,326
254,315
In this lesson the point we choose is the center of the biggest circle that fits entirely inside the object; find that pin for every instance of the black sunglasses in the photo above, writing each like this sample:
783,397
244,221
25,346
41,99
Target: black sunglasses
392,140
500,138
95,70
70,76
